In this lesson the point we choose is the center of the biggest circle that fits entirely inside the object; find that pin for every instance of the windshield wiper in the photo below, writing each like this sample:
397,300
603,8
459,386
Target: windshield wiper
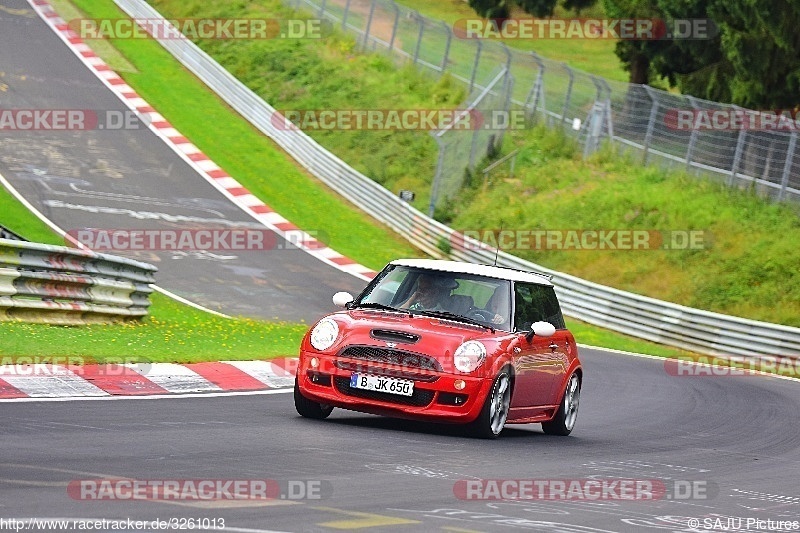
376,305
454,316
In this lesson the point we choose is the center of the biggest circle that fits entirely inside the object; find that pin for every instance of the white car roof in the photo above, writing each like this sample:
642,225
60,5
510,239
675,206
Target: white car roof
471,268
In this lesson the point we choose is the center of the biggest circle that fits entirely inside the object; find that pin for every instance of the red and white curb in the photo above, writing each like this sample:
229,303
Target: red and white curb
31,381
190,153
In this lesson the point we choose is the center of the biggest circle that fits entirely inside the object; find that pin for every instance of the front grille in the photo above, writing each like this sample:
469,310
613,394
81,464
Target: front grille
362,368
378,354
420,398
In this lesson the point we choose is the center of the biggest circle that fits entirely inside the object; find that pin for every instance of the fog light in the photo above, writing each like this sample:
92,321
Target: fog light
314,362
459,384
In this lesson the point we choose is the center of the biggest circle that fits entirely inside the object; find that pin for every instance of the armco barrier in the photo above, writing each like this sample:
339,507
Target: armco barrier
643,317
61,285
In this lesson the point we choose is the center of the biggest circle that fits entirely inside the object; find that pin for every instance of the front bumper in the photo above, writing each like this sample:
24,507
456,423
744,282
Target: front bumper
435,396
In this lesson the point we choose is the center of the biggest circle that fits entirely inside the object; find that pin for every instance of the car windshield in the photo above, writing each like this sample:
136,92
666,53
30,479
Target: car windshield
479,299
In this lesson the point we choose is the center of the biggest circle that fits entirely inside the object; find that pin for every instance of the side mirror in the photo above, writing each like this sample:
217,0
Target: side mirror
341,299
540,329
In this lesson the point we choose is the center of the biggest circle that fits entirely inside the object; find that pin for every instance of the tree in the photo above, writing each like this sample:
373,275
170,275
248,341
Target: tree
753,60
760,43
490,9
538,8
578,5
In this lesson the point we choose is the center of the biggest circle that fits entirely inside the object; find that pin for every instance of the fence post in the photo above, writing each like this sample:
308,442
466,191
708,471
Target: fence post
322,8
446,46
787,166
369,24
537,91
344,15
609,118
419,35
438,177
394,26
692,137
737,155
650,123
596,117
479,44
569,93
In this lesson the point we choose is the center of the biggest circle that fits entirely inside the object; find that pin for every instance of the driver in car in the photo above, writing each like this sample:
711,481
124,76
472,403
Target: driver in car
497,306
432,293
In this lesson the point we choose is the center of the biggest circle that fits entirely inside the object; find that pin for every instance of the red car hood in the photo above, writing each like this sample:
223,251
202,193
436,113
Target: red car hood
438,337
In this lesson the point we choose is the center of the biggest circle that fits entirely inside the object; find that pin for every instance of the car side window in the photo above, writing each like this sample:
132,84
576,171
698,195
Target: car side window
534,303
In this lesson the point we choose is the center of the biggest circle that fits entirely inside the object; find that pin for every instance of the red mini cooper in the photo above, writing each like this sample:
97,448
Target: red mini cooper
445,341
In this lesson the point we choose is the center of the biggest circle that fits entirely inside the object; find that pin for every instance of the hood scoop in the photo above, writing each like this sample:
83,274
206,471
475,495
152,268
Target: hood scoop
394,336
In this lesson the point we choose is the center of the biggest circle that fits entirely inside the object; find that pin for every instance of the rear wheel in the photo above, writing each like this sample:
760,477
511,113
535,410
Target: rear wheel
309,408
492,419
567,413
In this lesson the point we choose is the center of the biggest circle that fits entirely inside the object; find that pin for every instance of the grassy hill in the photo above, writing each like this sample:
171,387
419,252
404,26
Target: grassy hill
747,268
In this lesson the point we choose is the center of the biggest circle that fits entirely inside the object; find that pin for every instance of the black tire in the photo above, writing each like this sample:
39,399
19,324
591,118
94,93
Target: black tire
492,419
309,408
564,421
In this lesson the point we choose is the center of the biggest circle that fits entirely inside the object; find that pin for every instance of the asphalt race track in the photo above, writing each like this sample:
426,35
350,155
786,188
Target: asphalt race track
725,448
736,438
120,179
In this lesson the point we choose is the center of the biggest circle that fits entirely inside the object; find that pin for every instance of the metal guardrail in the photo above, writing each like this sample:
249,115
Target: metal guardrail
61,285
628,313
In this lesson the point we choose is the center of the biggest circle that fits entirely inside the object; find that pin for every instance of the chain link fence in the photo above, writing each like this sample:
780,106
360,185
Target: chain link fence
466,140
656,126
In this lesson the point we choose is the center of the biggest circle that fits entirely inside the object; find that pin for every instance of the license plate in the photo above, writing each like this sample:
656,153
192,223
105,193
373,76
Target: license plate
403,387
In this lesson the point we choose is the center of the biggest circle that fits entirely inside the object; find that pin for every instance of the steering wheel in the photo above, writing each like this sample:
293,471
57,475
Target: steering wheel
482,314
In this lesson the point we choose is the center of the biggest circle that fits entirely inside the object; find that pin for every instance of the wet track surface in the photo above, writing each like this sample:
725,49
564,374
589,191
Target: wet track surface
734,438
130,179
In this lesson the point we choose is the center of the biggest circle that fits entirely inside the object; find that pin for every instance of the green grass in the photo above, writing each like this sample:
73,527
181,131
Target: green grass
554,189
173,332
18,219
309,73
746,267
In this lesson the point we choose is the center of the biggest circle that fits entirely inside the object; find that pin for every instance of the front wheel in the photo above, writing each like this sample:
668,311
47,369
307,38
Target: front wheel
567,413
492,419
309,408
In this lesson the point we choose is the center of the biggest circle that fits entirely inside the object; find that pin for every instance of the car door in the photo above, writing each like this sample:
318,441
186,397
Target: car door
539,363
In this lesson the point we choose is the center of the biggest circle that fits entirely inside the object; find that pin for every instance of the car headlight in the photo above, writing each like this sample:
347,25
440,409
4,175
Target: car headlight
324,334
469,356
